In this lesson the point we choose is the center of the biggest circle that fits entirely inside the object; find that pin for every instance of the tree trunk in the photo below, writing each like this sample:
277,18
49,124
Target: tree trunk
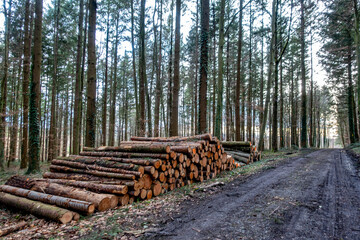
174,122
104,110
134,68
170,74
142,69
37,208
13,228
238,78
219,107
65,130
303,142
357,46
91,78
102,202
4,82
78,85
25,86
350,100
52,133
205,10
158,88
34,128
196,90
249,94
311,132
76,205
111,140
271,64
261,115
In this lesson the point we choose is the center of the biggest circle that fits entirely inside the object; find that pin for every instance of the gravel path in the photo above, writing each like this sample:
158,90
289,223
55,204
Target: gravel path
316,196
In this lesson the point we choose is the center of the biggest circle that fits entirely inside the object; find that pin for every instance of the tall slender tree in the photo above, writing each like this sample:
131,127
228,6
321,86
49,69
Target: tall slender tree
34,116
52,135
204,42
142,70
4,82
25,86
220,87
91,78
105,96
238,78
303,136
175,94
78,84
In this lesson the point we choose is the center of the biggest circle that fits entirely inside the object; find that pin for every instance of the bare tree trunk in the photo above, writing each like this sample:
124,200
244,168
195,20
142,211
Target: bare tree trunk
78,86
303,79
174,122
249,95
271,64
91,78
205,10
158,88
52,135
357,45
4,82
134,67
238,78
65,130
111,140
104,110
142,69
261,115
34,140
219,107
196,90
350,100
25,86
311,139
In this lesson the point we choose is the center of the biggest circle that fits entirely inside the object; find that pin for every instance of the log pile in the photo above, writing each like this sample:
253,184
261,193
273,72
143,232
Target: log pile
242,152
104,177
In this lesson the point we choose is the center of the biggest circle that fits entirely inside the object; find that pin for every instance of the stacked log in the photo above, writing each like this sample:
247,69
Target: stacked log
242,152
101,178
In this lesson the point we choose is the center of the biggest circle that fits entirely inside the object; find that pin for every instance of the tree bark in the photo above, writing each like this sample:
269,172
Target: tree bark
34,128
25,86
78,85
72,204
134,67
52,134
111,140
91,78
4,82
37,208
104,110
102,202
350,100
158,88
303,140
174,121
270,68
238,78
220,88
205,10
357,46
142,70
13,228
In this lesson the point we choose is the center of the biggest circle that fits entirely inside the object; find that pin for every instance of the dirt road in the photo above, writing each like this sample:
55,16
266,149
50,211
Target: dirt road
316,196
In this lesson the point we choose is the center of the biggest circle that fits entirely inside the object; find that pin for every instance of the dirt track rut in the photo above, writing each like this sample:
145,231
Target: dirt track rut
316,196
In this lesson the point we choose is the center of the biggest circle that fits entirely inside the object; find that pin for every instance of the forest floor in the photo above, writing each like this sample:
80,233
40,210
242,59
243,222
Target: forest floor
288,195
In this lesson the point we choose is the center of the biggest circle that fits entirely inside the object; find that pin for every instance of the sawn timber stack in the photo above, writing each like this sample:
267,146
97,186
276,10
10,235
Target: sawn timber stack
104,177
242,152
